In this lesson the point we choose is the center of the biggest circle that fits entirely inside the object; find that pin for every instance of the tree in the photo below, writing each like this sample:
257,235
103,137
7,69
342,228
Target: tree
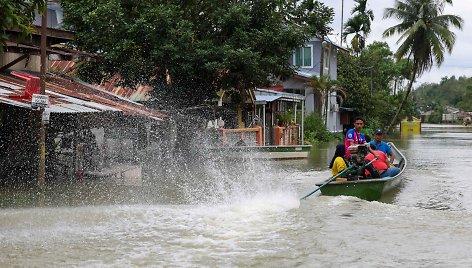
359,25
455,92
354,26
367,15
20,14
424,37
353,79
466,103
368,80
325,85
204,46
379,66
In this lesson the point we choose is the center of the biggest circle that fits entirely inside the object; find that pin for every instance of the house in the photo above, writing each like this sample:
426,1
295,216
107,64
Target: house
317,57
425,116
287,98
277,111
451,114
90,132
26,55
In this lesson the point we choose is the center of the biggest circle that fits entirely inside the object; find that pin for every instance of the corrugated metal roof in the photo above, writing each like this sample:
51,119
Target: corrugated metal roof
14,102
266,98
71,108
282,95
138,93
68,95
306,73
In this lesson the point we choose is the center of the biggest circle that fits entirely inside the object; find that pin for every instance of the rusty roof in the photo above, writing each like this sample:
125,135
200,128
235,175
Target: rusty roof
138,93
69,95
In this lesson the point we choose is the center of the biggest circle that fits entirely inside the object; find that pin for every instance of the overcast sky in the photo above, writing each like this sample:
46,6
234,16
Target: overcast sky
459,63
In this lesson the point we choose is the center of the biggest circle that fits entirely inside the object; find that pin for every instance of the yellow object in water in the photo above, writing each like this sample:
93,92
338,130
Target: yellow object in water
411,125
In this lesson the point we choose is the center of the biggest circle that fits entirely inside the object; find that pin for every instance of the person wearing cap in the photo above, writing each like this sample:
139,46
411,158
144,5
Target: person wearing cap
380,145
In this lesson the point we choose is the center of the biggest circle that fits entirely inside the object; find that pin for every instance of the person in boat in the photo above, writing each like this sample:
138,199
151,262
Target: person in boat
380,165
354,137
380,145
338,163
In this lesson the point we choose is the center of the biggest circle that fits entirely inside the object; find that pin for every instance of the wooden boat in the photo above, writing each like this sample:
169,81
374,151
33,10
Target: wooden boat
371,189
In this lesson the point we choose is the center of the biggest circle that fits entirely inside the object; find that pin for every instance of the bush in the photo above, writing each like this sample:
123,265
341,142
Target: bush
315,129
435,118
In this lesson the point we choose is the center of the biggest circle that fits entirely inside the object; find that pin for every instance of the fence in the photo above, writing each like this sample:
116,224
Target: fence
242,136
287,135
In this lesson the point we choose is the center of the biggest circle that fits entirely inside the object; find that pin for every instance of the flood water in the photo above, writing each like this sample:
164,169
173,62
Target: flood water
248,214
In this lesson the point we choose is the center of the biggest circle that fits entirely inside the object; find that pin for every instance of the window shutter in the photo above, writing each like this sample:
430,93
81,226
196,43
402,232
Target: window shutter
298,56
307,56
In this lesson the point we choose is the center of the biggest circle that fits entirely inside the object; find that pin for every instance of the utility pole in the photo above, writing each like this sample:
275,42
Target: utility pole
42,131
342,22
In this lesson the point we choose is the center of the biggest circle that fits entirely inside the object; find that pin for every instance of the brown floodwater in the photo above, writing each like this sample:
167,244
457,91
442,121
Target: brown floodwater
248,214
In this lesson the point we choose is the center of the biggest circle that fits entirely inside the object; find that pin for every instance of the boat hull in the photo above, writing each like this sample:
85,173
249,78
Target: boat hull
369,190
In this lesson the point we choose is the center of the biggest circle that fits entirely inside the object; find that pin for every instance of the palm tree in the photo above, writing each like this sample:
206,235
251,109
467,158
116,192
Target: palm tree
325,85
424,37
354,26
367,15
359,25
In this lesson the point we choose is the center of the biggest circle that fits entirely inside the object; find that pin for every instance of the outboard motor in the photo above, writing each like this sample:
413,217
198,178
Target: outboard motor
358,153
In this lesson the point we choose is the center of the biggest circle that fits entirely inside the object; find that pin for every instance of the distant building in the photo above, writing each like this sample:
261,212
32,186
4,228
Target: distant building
451,114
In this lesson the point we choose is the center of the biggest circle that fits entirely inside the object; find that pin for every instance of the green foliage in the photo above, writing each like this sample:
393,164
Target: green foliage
359,25
354,26
368,80
434,118
315,129
325,85
451,91
424,30
425,36
202,47
379,65
354,81
20,14
286,117
371,126
466,101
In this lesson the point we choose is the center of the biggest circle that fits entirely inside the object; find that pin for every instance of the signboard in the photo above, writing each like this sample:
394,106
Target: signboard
46,115
39,101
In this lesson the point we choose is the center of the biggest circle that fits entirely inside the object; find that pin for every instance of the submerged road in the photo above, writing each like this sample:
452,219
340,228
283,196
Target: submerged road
248,214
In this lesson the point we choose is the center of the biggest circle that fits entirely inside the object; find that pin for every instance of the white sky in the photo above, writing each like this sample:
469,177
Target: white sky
459,63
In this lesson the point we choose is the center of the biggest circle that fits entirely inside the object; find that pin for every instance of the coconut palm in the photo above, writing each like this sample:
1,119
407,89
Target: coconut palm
424,36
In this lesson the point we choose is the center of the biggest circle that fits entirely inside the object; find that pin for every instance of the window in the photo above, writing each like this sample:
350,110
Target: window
303,57
326,58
